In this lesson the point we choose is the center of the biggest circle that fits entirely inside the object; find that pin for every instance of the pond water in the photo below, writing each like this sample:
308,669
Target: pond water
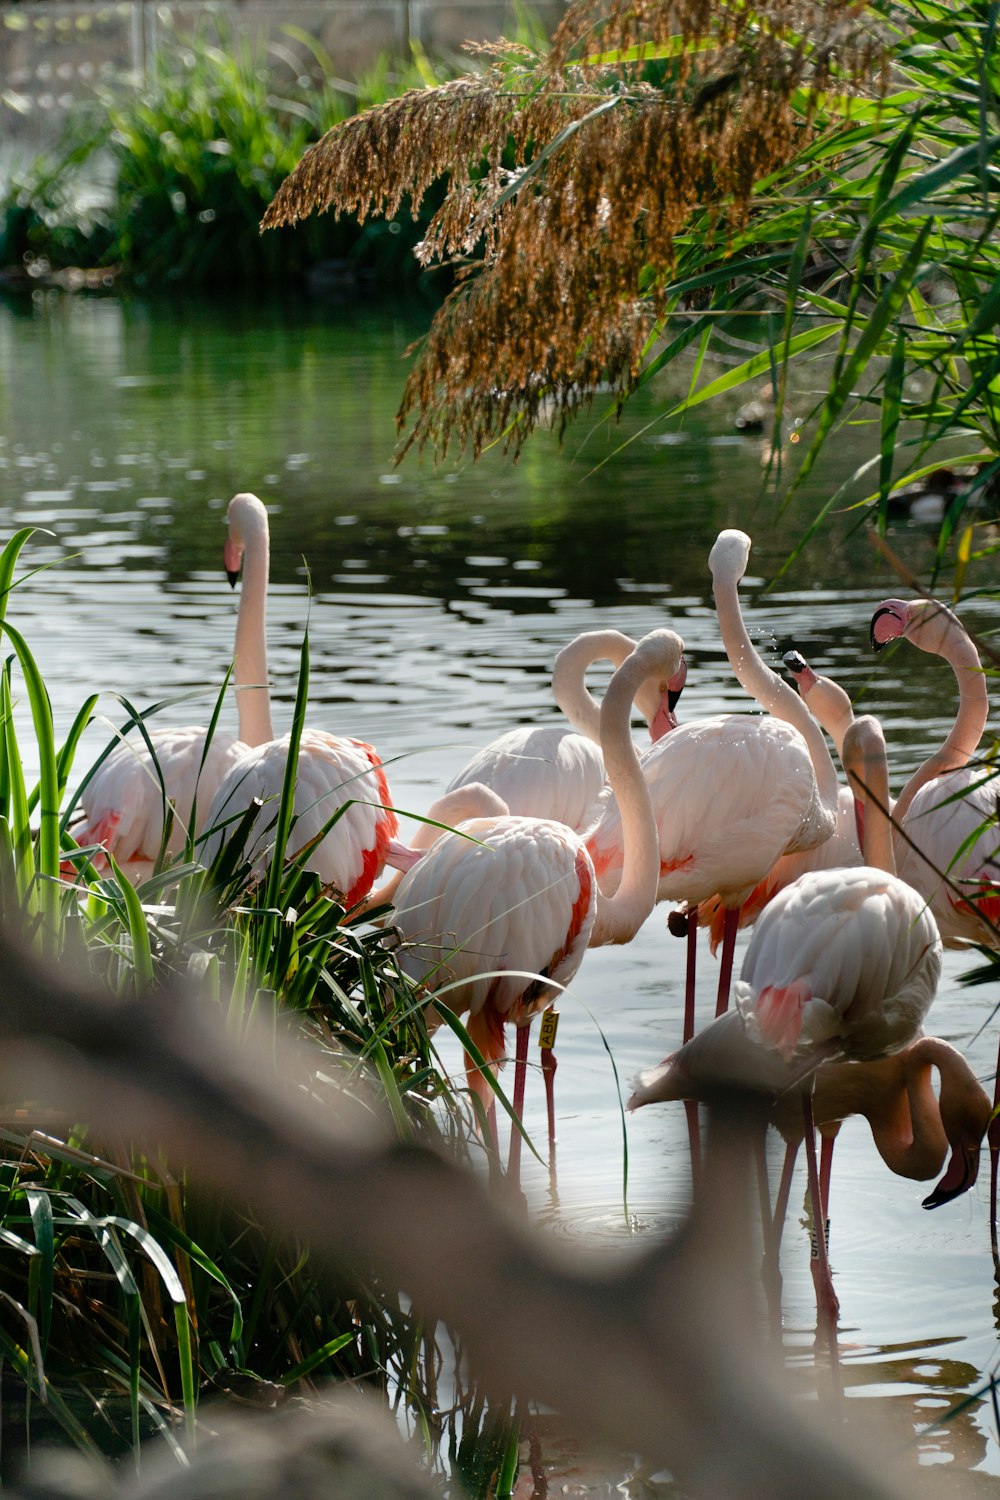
439,598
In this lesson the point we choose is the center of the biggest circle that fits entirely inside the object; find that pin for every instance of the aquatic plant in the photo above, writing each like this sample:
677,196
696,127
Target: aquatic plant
813,177
162,180
128,1296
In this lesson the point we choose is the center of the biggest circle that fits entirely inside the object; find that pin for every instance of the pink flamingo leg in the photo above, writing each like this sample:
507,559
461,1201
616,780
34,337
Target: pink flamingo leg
730,927
692,956
694,1140
549,1066
520,1072
547,1043
771,1287
827,1143
993,1139
770,1271
827,1306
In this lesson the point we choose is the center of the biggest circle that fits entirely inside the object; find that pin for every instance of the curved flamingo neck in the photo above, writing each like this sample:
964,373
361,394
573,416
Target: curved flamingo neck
830,707
867,767
569,685
253,699
755,676
943,634
620,916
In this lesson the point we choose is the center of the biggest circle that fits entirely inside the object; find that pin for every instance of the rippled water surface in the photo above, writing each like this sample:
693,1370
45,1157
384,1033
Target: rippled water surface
438,600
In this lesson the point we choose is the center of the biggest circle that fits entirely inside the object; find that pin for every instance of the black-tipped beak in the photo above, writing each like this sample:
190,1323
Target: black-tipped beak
233,577
878,645
673,698
795,662
960,1176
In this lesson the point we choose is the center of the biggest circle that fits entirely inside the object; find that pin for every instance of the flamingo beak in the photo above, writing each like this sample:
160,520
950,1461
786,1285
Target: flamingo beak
888,623
960,1175
805,677
232,557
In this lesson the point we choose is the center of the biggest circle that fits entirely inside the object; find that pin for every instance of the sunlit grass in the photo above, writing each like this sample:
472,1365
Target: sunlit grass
126,1297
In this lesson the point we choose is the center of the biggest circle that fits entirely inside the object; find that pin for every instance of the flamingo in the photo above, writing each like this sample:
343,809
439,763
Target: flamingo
123,804
503,904
843,964
331,772
946,816
731,793
948,808
551,771
831,707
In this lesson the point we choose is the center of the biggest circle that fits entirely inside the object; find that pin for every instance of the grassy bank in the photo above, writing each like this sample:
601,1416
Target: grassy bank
162,182
128,1299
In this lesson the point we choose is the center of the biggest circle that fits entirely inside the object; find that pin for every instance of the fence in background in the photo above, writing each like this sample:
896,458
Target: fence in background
51,54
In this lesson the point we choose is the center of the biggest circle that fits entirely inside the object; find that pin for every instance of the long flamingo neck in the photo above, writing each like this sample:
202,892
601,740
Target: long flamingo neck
757,679
866,763
973,708
253,699
620,916
569,685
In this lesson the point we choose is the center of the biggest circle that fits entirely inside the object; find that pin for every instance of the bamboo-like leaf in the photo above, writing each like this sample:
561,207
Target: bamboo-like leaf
759,364
42,1268
317,1358
892,395
135,916
48,834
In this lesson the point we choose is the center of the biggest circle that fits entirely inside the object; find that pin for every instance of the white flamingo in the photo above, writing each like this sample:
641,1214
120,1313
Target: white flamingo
495,909
552,771
332,771
731,793
124,801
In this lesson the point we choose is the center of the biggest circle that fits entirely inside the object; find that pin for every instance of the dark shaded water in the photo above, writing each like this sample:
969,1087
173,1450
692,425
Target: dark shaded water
439,599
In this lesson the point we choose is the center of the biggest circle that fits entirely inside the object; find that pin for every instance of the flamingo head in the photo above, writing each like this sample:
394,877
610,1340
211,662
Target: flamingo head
805,677
729,556
888,623
826,700
244,516
670,690
925,622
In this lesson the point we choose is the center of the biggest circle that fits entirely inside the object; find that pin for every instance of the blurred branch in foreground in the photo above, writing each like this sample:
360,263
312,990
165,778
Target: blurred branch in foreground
658,1354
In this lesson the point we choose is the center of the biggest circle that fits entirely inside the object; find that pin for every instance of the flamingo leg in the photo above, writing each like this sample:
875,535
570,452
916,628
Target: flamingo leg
730,927
827,1306
770,1271
694,1140
547,1043
827,1143
993,1139
520,1072
692,955
773,1292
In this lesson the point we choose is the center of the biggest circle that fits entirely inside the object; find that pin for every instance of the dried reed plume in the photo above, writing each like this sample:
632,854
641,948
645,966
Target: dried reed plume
569,177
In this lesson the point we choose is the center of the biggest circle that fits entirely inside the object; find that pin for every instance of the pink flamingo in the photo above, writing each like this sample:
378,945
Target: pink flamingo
948,807
842,964
731,793
332,771
504,904
831,707
551,771
946,816
123,804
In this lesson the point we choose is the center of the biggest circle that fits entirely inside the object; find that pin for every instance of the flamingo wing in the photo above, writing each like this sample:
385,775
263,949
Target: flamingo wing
542,772
953,820
332,772
520,898
841,960
123,803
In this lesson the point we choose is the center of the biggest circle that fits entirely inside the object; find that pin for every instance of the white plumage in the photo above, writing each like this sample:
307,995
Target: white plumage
123,802
332,772
841,963
552,771
953,821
